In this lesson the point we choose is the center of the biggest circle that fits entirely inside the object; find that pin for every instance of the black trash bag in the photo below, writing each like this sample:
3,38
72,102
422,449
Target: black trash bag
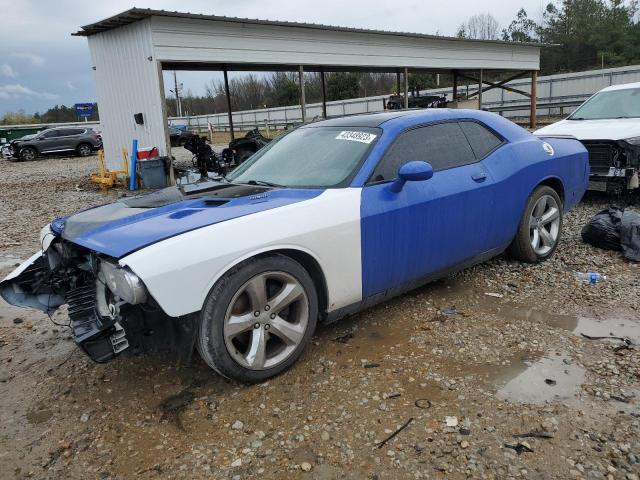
603,231
630,235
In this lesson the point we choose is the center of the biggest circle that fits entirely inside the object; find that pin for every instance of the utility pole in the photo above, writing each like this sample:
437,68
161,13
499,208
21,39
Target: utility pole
303,100
406,87
177,92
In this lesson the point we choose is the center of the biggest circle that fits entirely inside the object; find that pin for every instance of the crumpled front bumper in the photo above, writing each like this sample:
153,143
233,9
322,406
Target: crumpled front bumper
99,336
100,329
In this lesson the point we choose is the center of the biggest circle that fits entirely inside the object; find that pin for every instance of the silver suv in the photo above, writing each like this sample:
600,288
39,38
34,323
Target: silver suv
82,141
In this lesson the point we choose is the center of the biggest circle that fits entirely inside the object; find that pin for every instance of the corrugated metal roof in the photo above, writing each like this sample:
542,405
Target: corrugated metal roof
135,14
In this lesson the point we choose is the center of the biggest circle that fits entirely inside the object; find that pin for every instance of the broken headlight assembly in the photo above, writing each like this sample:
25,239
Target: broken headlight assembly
123,283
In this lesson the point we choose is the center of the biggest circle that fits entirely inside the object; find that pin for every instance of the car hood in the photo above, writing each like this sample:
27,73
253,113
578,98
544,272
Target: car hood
609,129
130,224
25,138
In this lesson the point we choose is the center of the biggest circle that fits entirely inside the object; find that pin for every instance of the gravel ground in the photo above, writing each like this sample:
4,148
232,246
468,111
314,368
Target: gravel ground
465,363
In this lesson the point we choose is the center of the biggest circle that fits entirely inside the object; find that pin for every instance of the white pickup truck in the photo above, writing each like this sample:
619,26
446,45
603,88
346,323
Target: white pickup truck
608,124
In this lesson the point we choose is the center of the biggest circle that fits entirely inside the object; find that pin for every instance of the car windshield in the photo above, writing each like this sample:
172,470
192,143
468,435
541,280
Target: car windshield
317,157
612,104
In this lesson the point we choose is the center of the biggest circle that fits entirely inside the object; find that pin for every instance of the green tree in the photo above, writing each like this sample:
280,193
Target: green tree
421,81
586,30
283,89
342,85
522,29
584,33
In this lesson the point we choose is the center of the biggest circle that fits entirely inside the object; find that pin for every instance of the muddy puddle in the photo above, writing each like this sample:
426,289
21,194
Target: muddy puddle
611,327
553,376
538,377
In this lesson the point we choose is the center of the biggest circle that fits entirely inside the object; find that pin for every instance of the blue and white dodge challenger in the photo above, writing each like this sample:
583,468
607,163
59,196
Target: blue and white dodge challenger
331,218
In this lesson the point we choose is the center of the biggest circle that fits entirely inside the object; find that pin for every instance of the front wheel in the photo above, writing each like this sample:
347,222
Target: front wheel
540,227
28,154
258,319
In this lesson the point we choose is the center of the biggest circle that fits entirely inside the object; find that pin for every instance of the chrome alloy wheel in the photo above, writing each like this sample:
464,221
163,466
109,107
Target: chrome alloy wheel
544,224
266,320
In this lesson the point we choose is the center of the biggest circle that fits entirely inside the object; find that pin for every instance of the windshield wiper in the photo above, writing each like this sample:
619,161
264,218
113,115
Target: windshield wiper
263,183
576,118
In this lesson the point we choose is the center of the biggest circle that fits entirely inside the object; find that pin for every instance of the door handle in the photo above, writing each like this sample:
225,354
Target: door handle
479,176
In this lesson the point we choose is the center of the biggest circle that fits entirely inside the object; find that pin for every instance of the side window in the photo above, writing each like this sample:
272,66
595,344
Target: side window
67,132
50,134
482,140
443,145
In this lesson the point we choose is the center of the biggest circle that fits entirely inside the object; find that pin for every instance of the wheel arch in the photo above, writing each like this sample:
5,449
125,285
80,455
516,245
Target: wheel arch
304,257
551,181
33,147
556,184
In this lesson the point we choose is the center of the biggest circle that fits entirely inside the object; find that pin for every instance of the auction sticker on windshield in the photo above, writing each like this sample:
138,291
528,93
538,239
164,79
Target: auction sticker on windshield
363,137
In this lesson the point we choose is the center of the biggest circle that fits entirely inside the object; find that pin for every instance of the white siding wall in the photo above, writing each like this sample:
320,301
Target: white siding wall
194,40
127,83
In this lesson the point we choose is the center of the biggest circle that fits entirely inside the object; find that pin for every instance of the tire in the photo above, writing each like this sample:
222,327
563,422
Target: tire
243,155
84,150
540,228
28,154
233,348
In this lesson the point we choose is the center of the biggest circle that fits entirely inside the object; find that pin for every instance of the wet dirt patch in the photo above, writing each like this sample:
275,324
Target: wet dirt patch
35,417
580,325
171,407
8,262
552,377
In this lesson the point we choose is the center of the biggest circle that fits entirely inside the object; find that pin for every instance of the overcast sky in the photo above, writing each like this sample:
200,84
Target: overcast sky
42,65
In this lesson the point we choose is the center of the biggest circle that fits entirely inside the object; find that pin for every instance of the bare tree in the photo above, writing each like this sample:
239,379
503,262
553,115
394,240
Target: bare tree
482,26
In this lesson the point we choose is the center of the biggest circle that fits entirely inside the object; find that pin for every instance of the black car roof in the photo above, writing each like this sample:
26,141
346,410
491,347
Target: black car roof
361,120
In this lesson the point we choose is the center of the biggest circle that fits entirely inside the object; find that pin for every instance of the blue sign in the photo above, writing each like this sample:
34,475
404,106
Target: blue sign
84,109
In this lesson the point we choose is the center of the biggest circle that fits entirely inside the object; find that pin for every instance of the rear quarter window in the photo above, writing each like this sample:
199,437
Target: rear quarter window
482,140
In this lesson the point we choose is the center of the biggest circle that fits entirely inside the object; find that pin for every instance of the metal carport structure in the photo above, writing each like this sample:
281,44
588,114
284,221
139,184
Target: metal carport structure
130,50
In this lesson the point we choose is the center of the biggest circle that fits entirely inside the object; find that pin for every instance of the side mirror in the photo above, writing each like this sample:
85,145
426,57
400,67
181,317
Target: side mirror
415,171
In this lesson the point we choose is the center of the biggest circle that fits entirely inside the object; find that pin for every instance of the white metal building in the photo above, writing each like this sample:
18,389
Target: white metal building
130,50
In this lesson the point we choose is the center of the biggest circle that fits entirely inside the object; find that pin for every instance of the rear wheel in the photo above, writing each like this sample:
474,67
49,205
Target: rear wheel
84,149
28,154
540,227
258,319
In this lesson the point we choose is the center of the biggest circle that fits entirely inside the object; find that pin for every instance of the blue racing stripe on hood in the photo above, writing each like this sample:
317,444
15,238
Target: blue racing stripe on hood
121,236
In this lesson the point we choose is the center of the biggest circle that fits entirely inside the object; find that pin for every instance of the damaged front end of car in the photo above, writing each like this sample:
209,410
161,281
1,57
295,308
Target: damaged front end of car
615,164
110,311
